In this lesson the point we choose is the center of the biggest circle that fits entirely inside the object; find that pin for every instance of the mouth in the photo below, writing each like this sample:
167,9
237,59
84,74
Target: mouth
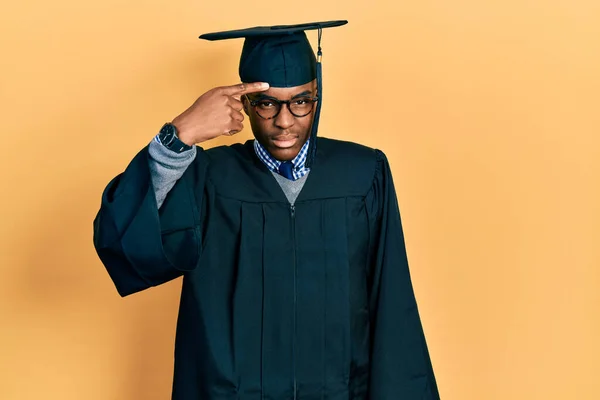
284,141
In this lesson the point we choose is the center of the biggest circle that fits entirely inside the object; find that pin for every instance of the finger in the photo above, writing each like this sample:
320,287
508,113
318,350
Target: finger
245,88
236,104
237,116
234,127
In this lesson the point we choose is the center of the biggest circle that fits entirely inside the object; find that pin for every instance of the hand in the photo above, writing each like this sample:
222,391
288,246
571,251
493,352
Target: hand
215,113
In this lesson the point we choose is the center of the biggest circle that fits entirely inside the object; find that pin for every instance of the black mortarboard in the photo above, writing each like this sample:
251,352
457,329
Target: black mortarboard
281,56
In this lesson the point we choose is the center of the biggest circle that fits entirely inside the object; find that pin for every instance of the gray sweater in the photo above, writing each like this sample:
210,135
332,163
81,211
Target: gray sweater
166,167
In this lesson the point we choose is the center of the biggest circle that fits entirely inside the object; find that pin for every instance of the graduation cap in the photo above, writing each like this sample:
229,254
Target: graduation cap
282,56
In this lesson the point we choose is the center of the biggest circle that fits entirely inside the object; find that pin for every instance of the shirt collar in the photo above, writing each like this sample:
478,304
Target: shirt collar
272,164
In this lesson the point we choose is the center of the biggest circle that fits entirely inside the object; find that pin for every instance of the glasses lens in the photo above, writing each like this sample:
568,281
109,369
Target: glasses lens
301,106
267,108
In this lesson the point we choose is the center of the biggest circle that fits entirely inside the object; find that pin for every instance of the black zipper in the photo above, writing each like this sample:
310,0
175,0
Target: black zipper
293,215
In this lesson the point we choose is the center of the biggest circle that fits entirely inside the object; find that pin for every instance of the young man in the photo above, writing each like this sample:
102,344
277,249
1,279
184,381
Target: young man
295,276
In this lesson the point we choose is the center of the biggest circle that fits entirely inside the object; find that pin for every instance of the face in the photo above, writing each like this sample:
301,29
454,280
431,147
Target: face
284,135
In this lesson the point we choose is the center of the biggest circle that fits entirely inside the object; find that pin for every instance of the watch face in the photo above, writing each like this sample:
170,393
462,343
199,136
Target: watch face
167,134
168,137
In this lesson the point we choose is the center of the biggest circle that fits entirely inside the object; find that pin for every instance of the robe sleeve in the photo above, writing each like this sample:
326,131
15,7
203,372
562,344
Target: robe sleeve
401,368
139,245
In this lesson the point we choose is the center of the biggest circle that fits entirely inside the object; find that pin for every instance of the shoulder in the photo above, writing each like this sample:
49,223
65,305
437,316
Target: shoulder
357,154
226,163
352,153
351,165
232,167
229,156
335,147
227,151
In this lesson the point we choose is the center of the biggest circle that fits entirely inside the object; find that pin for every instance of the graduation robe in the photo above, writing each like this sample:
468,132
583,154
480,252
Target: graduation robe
310,301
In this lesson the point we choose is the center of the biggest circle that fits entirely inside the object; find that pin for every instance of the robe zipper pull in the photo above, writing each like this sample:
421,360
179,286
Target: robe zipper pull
293,210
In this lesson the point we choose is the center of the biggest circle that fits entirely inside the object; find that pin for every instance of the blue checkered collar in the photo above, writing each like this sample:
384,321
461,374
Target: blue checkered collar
272,164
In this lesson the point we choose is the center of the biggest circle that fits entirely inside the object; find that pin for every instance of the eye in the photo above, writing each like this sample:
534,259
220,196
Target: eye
302,101
266,104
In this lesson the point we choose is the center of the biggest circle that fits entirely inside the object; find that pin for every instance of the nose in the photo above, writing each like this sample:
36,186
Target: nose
285,119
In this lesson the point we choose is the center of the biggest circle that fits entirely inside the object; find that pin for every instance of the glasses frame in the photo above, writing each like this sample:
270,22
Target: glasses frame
279,103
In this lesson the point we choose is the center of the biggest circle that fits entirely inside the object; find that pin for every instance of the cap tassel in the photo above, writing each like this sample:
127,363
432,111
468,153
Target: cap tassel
312,148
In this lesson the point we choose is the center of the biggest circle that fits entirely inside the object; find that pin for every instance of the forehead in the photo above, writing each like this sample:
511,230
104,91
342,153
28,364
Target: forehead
288,92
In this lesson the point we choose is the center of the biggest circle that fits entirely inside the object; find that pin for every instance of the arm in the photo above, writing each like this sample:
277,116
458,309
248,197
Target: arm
139,246
400,363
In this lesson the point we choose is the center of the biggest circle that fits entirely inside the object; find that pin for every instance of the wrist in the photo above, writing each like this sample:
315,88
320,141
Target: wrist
183,134
185,138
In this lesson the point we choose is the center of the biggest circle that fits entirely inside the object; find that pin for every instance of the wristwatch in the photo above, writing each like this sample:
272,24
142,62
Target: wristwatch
168,137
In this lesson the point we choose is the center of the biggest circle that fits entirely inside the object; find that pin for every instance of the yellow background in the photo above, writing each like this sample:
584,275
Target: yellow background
489,113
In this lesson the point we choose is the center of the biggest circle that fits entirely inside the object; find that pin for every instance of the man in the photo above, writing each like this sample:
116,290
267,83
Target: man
295,276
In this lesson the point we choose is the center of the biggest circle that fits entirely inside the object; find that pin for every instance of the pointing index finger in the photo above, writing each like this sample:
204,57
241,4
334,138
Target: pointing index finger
245,88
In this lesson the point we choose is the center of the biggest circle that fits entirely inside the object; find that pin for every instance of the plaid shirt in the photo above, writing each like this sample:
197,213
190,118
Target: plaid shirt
272,164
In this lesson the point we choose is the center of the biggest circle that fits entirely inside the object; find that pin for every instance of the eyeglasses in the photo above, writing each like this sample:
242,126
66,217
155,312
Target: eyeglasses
269,108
